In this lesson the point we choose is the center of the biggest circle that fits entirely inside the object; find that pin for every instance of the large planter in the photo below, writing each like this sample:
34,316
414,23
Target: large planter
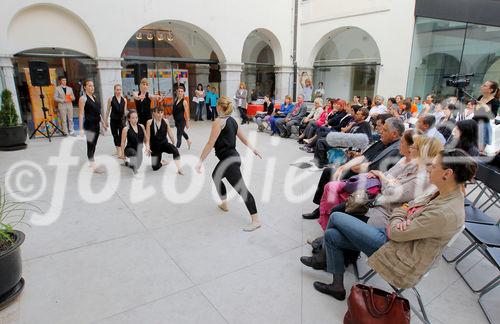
11,281
13,138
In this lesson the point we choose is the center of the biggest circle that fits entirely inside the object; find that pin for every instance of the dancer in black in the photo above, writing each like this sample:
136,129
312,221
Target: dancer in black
181,116
157,141
133,136
117,110
90,108
143,101
223,138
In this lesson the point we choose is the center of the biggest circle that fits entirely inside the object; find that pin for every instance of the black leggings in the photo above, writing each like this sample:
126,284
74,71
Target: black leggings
229,168
180,124
135,155
163,148
243,113
92,135
116,130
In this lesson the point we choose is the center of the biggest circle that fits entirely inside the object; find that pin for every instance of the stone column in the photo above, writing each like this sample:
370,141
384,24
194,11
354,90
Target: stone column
283,82
110,73
7,79
230,78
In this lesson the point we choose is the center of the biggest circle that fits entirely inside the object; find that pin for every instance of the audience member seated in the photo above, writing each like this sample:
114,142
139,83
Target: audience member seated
313,116
465,137
263,117
311,128
383,153
378,108
284,125
416,235
447,122
286,108
335,123
405,181
357,126
468,111
367,103
426,126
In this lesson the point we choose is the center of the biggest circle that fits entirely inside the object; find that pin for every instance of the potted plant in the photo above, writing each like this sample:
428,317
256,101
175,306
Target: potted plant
11,215
12,133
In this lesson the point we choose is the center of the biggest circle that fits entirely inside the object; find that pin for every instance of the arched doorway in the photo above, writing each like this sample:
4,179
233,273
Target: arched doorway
347,61
69,57
261,51
170,50
428,75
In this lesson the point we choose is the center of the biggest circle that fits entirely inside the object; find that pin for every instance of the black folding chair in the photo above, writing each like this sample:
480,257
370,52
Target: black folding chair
493,254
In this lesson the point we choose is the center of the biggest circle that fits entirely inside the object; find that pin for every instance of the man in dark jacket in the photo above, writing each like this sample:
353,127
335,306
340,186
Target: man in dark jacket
381,155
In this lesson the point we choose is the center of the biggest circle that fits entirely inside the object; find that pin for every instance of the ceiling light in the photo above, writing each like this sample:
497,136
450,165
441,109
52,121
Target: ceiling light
138,35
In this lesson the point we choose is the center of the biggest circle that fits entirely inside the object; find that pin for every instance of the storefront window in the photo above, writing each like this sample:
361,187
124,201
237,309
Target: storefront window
442,48
74,66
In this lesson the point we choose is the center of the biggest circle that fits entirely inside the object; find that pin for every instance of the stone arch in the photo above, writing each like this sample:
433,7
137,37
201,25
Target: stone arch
34,26
257,41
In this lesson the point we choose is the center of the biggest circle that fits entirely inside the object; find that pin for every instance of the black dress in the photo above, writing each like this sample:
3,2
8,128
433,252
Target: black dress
180,121
133,150
117,118
229,165
159,144
91,124
143,108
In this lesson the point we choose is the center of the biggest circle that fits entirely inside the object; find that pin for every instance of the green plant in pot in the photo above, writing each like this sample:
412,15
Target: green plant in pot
12,214
12,133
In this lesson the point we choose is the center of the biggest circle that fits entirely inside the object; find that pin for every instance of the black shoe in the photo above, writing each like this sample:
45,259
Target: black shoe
313,215
328,289
312,262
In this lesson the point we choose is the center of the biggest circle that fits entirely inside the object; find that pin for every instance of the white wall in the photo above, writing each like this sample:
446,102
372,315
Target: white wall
389,22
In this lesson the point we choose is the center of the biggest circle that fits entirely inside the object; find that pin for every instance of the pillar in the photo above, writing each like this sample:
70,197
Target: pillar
110,73
7,80
283,82
230,78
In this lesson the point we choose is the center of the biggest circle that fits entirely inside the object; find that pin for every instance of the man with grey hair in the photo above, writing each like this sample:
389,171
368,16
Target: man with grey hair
294,118
381,155
426,125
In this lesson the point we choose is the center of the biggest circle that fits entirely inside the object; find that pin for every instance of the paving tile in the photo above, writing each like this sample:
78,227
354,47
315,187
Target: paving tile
185,307
98,280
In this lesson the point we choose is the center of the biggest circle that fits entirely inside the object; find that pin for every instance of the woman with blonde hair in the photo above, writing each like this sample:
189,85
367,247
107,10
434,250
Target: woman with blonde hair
223,139
143,102
241,98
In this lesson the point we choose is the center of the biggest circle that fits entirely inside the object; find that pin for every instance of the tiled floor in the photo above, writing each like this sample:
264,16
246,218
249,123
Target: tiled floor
158,259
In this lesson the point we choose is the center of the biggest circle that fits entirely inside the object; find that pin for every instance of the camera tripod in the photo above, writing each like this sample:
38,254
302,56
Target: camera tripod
45,121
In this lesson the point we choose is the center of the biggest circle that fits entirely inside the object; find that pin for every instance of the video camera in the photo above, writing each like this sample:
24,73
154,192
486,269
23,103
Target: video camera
458,81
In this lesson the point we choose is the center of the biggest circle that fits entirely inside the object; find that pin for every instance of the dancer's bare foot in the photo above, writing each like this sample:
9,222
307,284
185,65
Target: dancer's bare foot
189,142
223,206
164,162
307,141
180,172
96,169
254,225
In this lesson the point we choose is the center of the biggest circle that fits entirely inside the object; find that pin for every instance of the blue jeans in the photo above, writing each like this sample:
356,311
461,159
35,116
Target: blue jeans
346,232
199,110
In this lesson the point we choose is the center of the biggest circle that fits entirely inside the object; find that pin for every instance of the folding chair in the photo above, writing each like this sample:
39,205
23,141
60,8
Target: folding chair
494,257
483,236
422,314
488,182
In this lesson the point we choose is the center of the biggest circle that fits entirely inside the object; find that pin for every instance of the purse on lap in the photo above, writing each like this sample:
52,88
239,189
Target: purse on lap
368,305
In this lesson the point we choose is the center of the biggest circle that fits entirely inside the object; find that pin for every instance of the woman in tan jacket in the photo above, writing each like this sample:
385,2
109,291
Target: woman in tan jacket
417,233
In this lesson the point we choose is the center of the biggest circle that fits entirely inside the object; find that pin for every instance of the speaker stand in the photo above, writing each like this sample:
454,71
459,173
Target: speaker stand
45,122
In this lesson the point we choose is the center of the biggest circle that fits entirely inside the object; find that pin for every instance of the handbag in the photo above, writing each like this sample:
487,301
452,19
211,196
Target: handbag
361,181
368,305
358,203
